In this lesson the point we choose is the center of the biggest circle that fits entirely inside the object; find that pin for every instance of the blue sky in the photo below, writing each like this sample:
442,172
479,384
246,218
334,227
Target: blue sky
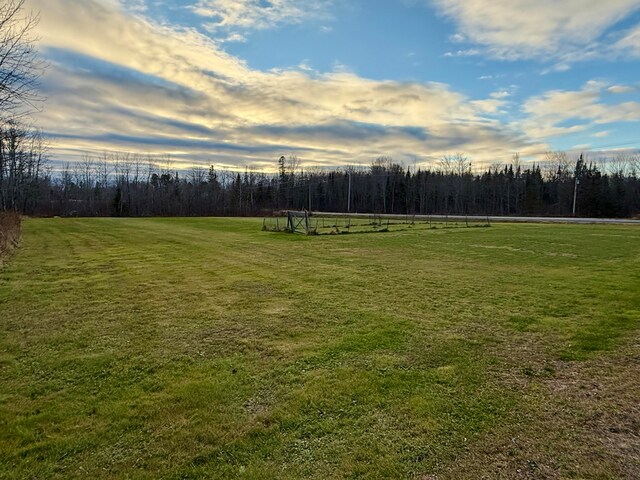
237,83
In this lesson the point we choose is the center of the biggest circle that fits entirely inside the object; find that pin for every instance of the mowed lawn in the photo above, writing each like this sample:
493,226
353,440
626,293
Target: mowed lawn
206,348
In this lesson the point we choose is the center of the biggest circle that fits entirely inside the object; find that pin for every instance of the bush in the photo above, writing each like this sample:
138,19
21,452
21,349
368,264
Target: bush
10,232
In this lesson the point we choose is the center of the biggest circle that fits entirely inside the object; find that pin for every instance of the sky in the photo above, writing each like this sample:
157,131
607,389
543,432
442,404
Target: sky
238,83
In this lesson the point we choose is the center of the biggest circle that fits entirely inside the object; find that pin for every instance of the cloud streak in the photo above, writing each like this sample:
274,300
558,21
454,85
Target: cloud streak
552,30
561,112
258,14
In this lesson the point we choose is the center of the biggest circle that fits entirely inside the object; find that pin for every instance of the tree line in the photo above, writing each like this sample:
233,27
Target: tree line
136,185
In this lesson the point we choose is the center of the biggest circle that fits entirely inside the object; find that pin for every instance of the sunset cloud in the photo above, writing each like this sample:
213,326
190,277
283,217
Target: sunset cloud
146,87
122,80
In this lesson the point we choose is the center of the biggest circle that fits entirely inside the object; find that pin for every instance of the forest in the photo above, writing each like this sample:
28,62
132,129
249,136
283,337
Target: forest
134,185
130,184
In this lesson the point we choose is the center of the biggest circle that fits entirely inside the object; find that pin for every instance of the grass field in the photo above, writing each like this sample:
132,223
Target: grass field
206,348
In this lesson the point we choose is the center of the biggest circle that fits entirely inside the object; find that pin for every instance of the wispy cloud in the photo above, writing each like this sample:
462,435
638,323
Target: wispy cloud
234,37
259,14
601,134
469,52
560,112
560,31
621,89
629,43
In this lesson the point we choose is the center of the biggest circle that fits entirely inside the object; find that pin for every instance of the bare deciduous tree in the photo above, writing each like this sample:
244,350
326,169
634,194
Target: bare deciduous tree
20,67
22,149
620,164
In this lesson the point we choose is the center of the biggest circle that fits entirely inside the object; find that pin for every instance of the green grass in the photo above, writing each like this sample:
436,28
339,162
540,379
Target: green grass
206,348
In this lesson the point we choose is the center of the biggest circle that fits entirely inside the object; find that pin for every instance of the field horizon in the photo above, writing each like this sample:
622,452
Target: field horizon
207,348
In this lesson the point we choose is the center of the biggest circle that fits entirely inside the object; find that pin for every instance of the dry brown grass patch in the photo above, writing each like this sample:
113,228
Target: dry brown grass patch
10,232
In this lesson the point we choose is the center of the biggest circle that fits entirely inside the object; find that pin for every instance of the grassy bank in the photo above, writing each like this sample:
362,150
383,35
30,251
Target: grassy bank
205,348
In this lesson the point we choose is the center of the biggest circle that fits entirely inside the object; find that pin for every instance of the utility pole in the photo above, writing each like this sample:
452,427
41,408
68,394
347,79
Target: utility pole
575,195
575,186
349,195
309,193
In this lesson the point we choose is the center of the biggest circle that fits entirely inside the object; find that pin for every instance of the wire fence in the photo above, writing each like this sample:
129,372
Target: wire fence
318,223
